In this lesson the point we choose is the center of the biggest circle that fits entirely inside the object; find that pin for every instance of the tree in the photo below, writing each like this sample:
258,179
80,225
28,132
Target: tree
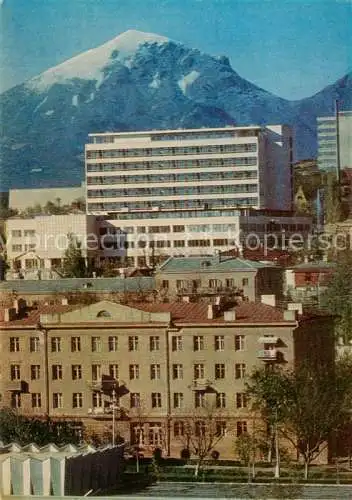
308,405
202,432
24,430
74,265
337,299
246,447
334,209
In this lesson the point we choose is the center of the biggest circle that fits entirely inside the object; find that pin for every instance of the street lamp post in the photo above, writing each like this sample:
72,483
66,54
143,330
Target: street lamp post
113,414
277,451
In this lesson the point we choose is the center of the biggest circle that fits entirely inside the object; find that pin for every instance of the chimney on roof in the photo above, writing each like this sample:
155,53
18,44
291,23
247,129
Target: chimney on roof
230,315
211,311
269,300
290,315
19,305
10,314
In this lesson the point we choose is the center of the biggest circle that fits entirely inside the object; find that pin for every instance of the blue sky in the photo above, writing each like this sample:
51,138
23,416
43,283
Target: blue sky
292,48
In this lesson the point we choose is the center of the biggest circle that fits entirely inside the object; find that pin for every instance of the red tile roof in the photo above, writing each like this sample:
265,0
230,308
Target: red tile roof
181,312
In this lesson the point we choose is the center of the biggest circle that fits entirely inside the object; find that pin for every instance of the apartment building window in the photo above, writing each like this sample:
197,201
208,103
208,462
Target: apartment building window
76,372
165,284
77,400
200,428
34,344
114,371
137,434
240,342
178,229
29,232
16,233
240,370
112,342
219,370
57,400
220,428
15,399
154,343
97,399
56,344
156,400
178,399
56,372
134,372
155,434
15,372
177,343
135,400
133,343
75,344
96,372
36,400
198,343
179,243
155,372
198,370
199,399
177,371
241,427
229,283
96,344
245,281
179,429
14,344
241,400
221,400
35,372
219,342
17,248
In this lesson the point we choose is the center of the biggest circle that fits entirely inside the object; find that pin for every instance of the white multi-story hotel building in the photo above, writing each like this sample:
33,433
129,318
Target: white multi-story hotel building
186,192
200,169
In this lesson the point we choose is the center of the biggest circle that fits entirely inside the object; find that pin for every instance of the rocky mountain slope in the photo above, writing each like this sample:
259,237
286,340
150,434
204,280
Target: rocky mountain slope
136,81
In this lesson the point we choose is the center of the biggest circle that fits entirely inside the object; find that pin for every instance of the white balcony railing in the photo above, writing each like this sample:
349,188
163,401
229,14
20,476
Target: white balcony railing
267,354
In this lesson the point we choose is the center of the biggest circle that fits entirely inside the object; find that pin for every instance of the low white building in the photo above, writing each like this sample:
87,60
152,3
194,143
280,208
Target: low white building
149,241
35,246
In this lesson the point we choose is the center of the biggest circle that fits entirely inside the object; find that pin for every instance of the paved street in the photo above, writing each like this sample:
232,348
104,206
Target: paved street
242,491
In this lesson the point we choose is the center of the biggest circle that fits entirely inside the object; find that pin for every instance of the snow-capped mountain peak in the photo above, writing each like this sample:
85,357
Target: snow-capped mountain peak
90,64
